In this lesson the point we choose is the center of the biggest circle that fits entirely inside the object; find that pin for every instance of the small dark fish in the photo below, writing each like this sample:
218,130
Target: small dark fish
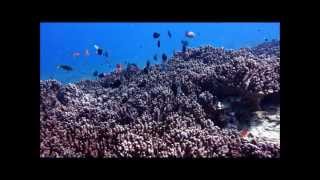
99,51
105,54
164,57
140,46
184,48
101,75
65,67
158,44
146,69
155,57
169,34
95,73
118,68
133,67
266,39
156,35
185,43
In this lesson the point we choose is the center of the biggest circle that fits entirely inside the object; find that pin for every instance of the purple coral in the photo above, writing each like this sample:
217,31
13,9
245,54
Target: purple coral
173,112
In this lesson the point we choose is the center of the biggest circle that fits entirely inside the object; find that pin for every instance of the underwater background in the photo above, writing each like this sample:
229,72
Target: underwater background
134,43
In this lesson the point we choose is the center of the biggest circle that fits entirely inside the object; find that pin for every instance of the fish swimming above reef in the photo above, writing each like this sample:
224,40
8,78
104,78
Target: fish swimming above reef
158,44
76,54
155,57
244,133
156,35
86,52
169,34
164,57
118,68
148,64
65,67
146,69
101,75
190,34
95,73
184,45
105,54
132,67
100,51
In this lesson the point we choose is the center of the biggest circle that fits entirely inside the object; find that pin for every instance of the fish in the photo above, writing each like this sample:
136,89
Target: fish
164,57
147,64
101,75
155,57
158,44
190,34
99,50
76,54
65,67
106,54
95,73
184,48
86,52
156,35
244,133
265,39
132,67
169,34
184,45
118,68
146,69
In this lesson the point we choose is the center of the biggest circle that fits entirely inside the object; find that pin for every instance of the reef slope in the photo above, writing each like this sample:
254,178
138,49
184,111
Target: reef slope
195,104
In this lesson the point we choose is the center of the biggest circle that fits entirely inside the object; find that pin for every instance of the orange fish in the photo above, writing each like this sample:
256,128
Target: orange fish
76,54
244,133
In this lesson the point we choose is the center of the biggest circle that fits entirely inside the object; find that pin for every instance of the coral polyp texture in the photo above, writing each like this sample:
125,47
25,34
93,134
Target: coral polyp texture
193,105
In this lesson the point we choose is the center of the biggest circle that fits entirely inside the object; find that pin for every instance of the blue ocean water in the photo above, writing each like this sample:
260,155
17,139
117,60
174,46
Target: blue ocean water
134,43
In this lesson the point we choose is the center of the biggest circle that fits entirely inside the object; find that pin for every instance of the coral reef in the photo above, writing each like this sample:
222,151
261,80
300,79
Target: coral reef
186,107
